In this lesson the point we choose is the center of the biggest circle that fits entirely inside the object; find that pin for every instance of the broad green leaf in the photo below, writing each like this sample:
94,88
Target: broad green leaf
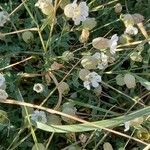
88,126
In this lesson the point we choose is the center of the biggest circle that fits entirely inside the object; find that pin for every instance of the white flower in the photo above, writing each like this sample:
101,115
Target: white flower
39,116
38,87
4,17
77,12
3,94
131,30
127,126
92,79
2,80
113,43
102,60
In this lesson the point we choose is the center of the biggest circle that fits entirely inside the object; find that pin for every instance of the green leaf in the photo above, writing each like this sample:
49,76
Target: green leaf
88,126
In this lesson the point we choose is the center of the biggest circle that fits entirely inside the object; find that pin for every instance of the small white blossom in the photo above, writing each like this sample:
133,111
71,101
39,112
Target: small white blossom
39,116
92,79
38,87
102,60
127,126
131,30
77,12
4,17
113,43
2,80
3,94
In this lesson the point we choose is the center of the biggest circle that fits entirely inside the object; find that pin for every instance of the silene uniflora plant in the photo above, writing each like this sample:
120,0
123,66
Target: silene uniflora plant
74,74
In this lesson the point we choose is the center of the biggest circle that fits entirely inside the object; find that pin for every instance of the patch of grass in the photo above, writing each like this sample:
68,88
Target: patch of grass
60,90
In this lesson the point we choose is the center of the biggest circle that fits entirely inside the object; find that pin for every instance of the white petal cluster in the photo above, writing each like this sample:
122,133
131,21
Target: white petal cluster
38,87
127,126
3,93
2,81
78,12
102,60
131,30
39,116
4,17
92,79
113,43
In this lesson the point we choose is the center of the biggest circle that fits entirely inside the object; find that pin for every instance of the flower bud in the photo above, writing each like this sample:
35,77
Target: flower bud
56,66
143,134
84,36
68,105
83,73
138,18
64,3
129,81
53,119
120,80
118,8
107,146
98,90
88,62
64,88
128,20
89,23
45,6
125,38
136,56
100,43
27,36
67,56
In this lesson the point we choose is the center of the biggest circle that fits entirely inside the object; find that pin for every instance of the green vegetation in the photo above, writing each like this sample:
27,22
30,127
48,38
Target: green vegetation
74,75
